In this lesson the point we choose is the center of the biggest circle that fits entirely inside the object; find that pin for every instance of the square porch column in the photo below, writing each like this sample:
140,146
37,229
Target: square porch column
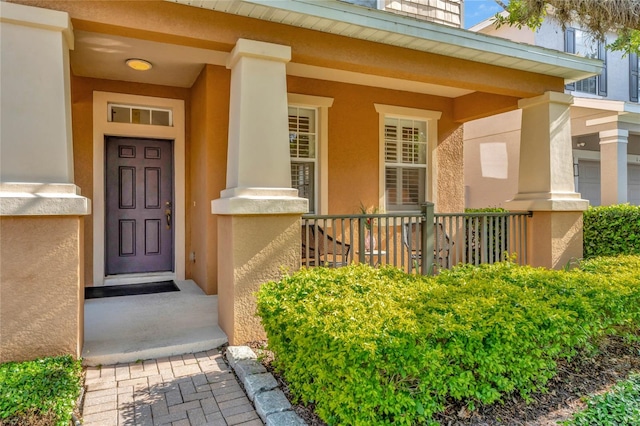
41,210
613,166
545,183
259,223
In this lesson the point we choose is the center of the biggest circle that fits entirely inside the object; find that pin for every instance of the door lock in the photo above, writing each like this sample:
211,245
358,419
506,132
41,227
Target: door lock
167,213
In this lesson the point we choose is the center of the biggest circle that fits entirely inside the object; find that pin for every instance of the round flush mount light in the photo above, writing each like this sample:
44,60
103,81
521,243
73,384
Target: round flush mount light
139,64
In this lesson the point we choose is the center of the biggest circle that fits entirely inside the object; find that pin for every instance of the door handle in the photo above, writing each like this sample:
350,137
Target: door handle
167,213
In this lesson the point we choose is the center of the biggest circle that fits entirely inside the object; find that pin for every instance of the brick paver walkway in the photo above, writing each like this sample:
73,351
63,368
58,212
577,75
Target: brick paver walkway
191,389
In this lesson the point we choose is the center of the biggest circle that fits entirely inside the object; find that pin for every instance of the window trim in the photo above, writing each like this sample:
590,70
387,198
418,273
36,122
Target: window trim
431,117
321,104
601,51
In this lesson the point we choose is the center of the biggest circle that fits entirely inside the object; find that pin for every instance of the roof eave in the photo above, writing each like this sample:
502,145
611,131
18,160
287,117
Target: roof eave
417,35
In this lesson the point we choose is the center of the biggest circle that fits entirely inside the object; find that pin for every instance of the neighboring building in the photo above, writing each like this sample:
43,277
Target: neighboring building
113,175
605,122
447,12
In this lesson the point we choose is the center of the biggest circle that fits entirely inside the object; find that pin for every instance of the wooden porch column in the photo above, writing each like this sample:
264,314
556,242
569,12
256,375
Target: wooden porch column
41,210
259,223
546,185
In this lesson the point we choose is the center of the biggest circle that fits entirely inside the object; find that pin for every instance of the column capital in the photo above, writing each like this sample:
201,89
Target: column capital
258,50
546,98
614,136
36,17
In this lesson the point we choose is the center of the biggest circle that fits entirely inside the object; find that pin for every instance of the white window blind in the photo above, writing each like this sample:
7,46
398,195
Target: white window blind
405,145
303,151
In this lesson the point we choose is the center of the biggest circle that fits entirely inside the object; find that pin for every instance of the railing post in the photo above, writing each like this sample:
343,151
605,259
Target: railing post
361,253
427,248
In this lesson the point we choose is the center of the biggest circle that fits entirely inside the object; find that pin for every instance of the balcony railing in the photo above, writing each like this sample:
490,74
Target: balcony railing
400,239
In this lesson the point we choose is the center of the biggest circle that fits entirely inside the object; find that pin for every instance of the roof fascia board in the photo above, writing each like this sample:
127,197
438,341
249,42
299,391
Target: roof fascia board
397,24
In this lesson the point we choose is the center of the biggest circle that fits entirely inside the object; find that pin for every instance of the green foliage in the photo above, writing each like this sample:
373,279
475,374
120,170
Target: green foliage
611,230
486,210
378,346
49,386
618,407
628,41
597,17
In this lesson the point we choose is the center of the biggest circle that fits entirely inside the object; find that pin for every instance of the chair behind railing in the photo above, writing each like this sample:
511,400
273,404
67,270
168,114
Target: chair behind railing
398,239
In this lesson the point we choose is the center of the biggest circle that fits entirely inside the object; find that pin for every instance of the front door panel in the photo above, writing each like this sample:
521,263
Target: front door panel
139,205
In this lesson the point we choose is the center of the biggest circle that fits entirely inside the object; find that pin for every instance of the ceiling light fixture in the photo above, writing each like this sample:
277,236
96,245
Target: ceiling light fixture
138,64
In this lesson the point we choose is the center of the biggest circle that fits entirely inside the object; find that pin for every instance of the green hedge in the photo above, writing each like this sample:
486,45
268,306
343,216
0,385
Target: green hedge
378,346
611,230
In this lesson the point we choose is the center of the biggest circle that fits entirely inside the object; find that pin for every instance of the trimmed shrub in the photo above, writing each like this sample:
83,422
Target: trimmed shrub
611,230
378,346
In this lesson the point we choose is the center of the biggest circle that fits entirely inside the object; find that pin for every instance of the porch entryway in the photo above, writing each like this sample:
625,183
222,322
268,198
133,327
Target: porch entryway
130,328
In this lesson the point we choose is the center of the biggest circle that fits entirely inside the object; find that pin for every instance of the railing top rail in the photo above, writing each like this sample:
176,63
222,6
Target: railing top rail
362,216
412,215
484,214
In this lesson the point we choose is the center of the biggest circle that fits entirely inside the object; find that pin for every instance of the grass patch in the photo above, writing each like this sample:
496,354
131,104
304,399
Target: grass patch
43,391
618,407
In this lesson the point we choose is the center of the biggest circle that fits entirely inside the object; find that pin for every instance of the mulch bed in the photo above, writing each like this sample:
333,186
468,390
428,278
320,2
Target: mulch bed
586,374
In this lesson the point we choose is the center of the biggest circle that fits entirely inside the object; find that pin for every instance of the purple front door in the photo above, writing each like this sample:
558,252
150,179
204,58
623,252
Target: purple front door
139,205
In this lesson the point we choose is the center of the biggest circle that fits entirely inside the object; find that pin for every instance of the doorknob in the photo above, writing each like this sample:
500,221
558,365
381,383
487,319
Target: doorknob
167,213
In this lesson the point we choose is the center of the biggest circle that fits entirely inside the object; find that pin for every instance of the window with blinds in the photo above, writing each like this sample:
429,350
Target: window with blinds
405,153
303,151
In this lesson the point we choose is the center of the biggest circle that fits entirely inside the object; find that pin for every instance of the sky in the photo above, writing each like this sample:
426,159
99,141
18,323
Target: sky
478,10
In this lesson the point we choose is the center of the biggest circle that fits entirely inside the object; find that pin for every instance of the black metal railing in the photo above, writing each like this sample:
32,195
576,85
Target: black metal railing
400,239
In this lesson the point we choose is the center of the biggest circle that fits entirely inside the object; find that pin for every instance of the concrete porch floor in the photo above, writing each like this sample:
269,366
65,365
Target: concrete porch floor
130,328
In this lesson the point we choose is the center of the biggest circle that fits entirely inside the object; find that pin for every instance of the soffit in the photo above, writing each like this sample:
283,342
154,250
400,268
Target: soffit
103,56
348,20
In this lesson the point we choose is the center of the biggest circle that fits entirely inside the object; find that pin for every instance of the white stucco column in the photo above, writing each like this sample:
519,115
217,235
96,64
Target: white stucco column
545,183
546,159
258,213
35,123
613,166
258,162
41,210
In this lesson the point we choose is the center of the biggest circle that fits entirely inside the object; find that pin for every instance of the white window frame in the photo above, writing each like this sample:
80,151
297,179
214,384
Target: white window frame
431,118
321,184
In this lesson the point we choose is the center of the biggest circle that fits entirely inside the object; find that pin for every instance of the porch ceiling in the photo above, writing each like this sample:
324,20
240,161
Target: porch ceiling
340,18
103,56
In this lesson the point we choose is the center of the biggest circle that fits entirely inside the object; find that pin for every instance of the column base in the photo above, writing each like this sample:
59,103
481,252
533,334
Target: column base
555,239
252,250
569,201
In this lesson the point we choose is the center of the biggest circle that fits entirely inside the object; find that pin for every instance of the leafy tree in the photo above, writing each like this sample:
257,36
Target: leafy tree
595,16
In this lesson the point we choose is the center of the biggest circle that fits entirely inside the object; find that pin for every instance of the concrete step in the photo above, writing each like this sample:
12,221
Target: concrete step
130,328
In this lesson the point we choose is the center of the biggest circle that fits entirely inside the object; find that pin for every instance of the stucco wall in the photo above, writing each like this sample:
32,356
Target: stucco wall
450,179
82,111
259,250
207,157
491,159
41,291
354,144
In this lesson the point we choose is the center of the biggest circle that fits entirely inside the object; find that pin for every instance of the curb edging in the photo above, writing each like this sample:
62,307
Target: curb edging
262,388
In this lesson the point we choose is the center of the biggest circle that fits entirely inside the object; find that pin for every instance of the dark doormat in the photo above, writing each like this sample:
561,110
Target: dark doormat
129,289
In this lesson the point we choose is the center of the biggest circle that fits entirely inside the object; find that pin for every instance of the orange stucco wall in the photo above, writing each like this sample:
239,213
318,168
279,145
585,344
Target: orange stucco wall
354,144
207,158
82,117
41,290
